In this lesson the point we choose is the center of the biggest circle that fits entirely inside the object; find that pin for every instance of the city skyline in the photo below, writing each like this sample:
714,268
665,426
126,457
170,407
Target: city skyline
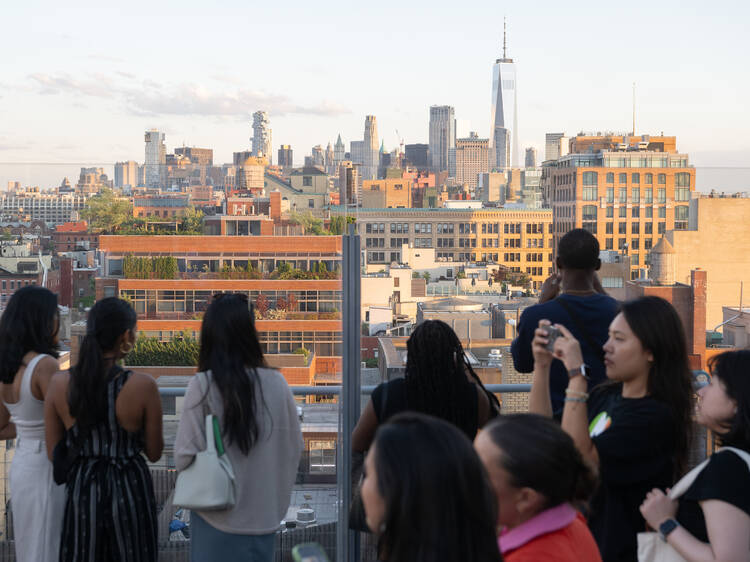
69,98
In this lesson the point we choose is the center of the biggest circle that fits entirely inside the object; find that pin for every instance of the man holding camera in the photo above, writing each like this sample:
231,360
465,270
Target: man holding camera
574,298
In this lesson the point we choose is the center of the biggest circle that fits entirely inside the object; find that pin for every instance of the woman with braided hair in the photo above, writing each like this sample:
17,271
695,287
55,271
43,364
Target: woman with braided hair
439,381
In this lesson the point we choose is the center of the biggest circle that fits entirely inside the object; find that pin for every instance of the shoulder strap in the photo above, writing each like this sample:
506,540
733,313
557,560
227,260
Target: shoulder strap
744,455
28,373
596,348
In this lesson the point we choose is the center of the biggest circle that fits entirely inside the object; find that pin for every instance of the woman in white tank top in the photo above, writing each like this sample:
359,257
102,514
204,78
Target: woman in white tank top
28,352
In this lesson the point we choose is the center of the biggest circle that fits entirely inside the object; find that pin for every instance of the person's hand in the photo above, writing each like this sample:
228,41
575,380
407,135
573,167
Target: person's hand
567,349
550,288
542,357
657,508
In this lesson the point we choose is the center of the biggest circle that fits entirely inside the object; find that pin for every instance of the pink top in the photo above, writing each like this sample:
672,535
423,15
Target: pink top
549,520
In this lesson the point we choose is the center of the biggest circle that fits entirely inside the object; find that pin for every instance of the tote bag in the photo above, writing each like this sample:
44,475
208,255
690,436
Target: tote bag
651,547
207,484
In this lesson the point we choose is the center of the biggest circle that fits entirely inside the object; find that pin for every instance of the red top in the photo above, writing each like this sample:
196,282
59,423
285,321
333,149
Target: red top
570,543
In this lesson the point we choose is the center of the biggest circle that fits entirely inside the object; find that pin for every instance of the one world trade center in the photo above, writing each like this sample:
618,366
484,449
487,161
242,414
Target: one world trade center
503,146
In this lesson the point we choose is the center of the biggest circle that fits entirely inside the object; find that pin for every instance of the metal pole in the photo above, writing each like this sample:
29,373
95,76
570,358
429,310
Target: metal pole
347,542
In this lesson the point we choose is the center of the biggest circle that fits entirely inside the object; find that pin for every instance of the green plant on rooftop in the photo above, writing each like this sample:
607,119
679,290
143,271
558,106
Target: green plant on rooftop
106,211
178,352
303,351
339,223
161,267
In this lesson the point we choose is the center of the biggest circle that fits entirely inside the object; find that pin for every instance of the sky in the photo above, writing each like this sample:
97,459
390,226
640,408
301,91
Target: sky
81,81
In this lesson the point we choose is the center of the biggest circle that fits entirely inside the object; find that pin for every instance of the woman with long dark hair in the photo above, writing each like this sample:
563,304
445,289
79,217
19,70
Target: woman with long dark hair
635,429
540,482
426,494
711,519
108,417
259,428
439,381
28,360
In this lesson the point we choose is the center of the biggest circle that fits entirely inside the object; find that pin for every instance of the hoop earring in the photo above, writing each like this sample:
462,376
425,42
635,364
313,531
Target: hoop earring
128,350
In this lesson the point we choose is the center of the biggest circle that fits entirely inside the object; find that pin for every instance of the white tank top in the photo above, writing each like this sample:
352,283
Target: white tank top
28,412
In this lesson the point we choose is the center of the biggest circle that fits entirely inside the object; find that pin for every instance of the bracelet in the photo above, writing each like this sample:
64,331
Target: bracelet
583,395
571,399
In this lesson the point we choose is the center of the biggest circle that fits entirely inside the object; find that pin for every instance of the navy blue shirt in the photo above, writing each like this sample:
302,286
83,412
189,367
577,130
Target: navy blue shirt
594,312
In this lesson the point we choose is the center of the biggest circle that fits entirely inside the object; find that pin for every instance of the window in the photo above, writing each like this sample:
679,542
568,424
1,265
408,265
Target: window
661,195
621,243
635,178
590,178
610,228
307,181
681,213
682,194
635,228
610,177
662,212
682,179
608,244
649,212
589,194
635,195
623,212
589,212
311,203
635,244
649,228
648,244
662,179
662,227
634,259
610,195
648,196
623,195
610,212
612,282
649,179
636,212
623,178
622,228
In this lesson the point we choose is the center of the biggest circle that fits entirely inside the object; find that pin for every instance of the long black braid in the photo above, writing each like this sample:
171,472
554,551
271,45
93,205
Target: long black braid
436,376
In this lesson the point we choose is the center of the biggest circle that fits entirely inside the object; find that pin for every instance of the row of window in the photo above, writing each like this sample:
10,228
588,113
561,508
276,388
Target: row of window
681,179
592,194
681,212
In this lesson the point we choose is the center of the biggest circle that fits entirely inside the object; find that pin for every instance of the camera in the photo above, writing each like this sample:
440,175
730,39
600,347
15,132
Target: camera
552,334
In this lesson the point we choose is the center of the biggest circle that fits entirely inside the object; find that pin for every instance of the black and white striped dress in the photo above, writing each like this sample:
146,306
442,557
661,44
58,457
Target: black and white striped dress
110,513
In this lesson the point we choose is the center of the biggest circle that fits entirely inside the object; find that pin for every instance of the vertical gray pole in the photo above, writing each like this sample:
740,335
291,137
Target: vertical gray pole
347,542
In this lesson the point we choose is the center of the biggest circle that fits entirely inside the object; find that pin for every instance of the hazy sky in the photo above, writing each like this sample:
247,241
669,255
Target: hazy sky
81,81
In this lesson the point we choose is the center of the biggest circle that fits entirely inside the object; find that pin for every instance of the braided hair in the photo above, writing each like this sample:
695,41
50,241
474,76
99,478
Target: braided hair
436,376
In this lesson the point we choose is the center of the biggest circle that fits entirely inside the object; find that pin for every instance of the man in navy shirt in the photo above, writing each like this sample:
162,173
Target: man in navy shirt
574,298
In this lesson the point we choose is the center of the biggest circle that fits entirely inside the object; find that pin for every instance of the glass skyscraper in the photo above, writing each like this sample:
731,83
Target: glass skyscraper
503,115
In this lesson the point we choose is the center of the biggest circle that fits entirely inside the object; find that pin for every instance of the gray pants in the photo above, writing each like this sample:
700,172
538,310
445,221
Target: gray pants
208,544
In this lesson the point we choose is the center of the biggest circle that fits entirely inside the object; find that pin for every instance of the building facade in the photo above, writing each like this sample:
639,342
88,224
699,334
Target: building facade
286,157
517,238
371,154
156,159
49,207
442,136
627,191
503,114
555,146
418,156
262,144
472,155
126,174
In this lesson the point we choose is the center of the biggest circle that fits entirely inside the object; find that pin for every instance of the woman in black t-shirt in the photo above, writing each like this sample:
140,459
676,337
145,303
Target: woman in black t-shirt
633,429
439,381
711,520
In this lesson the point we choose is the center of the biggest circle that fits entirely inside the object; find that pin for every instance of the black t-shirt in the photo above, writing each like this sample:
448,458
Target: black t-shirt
635,441
389,398
726,477
594,312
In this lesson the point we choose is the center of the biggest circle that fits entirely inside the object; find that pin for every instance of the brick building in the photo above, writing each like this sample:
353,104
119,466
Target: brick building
72,236
627,190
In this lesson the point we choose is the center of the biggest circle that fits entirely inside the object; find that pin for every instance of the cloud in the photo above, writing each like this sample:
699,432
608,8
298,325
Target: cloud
106,58
150,98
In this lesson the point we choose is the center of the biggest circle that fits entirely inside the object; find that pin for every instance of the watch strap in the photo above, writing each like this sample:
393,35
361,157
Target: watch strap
667,527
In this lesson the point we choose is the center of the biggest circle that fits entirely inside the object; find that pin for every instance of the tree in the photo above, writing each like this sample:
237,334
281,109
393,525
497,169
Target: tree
192,220
261,305
426,276
291,302
309,223
106,211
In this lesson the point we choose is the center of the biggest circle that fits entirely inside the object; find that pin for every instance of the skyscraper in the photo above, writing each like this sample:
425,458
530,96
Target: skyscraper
285,156
418,155
471,159
329,158
317,156
156,159
555,146
262,135
371,153
530,161
339,152
442,136
503,113
348,184
126,174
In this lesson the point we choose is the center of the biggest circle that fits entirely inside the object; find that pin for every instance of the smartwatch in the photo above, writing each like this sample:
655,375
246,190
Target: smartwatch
583,370
667,527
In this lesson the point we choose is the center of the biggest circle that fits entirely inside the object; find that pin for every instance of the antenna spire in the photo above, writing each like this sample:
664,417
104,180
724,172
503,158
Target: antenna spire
633,108
504,37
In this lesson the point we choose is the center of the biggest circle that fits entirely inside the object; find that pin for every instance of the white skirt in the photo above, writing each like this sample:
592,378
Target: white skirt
38,504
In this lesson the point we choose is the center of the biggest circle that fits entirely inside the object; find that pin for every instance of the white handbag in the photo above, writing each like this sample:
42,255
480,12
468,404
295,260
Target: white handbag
651,547
208,483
